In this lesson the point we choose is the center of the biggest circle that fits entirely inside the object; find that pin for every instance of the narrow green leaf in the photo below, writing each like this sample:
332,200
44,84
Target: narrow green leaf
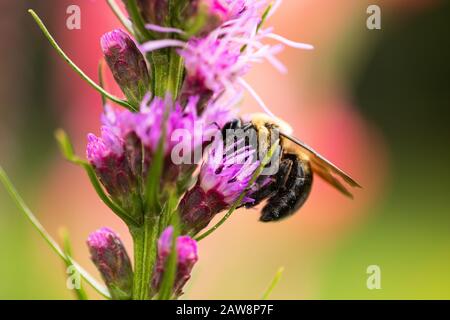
67,150
50,241
141,33
66,146
119,14
75,67
67,248
170,270
101,80
264,16
260,24
238,202
169,209
155,172
273,283
153,179
176,71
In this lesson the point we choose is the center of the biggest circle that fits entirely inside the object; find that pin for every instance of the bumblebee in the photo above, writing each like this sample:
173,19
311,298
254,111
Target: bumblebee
287,189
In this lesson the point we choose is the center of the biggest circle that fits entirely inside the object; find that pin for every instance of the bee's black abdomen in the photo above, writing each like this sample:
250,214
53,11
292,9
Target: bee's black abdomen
292,195
267,186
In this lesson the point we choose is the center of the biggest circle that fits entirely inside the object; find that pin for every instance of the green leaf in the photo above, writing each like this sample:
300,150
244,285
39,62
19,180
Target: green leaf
67,248
264,16
238,202
170,269
260,24
75,67
67,150
176,71
50,241
119,14
153,182
101,80
273,283
141,33
145,239
66,146
169,210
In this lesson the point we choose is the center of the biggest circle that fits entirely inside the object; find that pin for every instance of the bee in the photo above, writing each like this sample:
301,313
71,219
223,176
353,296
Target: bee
287,189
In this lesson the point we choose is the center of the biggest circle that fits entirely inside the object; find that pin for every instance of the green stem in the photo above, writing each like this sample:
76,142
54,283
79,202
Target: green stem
66,58
160,61
144,240
141,33
176,69
168,71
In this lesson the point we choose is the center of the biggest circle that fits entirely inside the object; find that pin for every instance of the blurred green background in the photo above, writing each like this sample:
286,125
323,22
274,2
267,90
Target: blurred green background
374,101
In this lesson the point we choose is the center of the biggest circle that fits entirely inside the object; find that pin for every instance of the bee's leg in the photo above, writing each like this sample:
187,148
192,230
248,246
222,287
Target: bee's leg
293,194
267,185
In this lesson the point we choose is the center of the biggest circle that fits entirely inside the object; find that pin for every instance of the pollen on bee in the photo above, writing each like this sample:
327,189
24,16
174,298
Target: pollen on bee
262,118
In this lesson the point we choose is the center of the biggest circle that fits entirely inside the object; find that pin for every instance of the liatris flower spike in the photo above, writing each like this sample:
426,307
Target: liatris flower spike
111,259
180,66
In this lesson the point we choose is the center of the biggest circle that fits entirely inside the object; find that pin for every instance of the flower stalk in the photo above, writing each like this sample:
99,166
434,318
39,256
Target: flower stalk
180,68
144,246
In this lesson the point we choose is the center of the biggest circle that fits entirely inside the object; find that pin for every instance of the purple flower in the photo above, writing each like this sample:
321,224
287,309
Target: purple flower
217,61
123,153
127,64
230,174
111,259
223,177
211,66
187,256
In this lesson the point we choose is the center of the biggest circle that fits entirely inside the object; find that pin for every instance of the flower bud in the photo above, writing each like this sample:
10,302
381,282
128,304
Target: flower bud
127,64
187,256
198,208
111,259
109,158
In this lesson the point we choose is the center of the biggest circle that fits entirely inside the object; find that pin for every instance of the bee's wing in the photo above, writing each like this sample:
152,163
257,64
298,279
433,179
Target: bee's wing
324,168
